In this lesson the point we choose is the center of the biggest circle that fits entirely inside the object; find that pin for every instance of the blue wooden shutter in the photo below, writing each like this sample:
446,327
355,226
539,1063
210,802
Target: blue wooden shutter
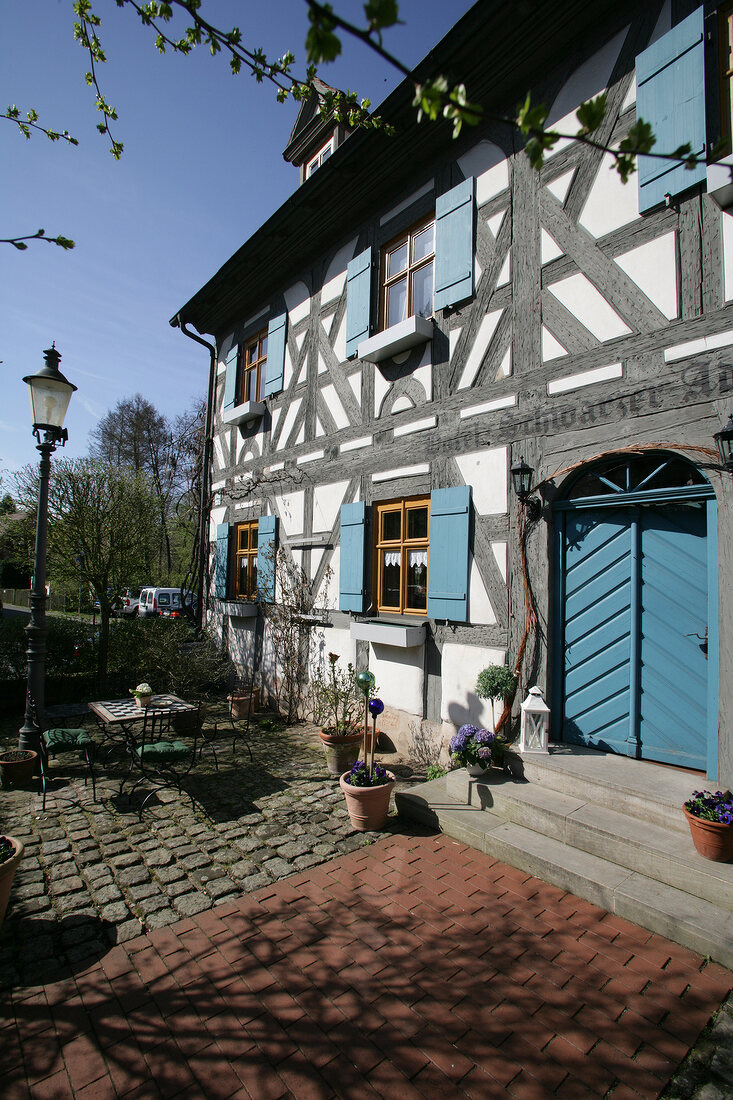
454,245
351,560
448,571
222,561
266,534
670,81
275,365
358,301
230,378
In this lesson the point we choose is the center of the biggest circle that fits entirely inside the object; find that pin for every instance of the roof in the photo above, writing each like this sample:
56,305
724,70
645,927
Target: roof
495,49
309,129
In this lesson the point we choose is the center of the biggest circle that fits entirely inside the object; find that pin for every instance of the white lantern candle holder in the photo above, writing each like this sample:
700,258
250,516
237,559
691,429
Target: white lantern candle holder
534,732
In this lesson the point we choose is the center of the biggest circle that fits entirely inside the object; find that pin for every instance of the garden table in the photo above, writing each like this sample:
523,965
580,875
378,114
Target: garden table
153,758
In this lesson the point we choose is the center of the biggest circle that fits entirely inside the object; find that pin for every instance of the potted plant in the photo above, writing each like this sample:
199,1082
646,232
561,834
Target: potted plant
240,699
143,694
17,767
497,682
337,704
11,852
710,817
367,789
471,748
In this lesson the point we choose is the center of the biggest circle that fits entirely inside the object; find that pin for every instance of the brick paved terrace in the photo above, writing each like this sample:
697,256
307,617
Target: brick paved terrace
256,946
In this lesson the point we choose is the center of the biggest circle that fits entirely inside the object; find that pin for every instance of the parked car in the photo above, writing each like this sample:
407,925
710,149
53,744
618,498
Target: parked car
163,601
130,601
175,609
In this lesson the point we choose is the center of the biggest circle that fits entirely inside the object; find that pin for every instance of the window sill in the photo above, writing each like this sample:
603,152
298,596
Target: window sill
402,636
720,188
243,414
407,334
240,609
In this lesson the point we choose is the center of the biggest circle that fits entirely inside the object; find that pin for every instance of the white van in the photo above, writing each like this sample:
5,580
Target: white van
162,601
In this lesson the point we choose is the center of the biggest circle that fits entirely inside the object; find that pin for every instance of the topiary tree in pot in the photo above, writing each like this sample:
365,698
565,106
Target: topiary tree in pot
496,682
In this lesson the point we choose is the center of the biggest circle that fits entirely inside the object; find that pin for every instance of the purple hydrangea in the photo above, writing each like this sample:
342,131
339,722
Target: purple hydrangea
484,737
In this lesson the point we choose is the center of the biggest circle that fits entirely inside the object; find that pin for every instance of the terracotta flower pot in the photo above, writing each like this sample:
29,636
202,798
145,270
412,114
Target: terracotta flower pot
368,806
713,839
7,871
342,750
18,767
143,700
239,703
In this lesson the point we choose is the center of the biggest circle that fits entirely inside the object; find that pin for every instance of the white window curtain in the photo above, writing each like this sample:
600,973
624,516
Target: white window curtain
393,557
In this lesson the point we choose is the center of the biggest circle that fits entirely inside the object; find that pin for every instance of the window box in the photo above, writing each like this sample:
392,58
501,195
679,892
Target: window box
239,609
244,413
403,636
400,337
720,187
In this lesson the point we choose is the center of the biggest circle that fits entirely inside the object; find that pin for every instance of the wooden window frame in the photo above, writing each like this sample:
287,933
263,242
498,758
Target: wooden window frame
256,367
386,282
725,75
250,552
315,162
404,545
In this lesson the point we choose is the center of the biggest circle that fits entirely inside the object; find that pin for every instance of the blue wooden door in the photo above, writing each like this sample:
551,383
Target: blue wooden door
635,613
673,636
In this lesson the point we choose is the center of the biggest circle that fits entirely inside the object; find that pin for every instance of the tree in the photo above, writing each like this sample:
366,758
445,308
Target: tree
435,98
102,528
134,434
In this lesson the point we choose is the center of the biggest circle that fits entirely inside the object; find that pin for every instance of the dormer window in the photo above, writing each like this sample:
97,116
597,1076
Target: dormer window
322,155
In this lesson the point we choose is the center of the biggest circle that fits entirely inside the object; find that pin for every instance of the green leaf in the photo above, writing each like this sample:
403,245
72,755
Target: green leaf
591,113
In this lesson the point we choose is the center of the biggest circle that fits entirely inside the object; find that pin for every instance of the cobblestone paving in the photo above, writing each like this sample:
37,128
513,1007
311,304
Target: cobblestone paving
93,875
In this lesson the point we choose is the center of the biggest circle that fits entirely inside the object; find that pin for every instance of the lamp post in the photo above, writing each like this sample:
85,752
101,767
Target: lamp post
49,394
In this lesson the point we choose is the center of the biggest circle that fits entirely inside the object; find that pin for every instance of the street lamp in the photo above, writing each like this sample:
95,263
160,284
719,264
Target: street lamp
49,393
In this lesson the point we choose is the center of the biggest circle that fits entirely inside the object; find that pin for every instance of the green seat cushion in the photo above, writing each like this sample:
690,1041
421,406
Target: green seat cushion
63,740
164,750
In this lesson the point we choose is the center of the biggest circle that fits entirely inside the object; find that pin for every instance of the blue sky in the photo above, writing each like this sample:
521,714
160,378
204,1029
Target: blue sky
202,169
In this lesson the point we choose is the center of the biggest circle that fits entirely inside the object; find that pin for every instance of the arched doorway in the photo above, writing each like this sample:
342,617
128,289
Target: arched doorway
636,611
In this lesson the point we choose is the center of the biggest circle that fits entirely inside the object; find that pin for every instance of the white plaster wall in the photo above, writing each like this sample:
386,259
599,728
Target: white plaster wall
242,643
424,373
329,596
551,347
354,381
499,550
587,304
335,407
653,266
480,610
486,330
399,676
219,452
290,508
289,421
560,186
492,182
334,640
298,302
486,472
461,665
381,386
288,368
327,499
587,80
727,225
479,159
339,344
610,203
550,248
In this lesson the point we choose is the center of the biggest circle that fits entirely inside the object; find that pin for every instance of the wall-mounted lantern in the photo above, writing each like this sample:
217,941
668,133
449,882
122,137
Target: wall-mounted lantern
724,442
522,481
534,732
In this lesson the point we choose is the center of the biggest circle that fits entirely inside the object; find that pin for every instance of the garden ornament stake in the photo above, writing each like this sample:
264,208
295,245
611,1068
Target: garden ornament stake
376,706
365,682
49,393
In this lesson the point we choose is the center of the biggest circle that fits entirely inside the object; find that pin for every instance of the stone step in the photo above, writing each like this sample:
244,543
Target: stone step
676,914
651,849
650,792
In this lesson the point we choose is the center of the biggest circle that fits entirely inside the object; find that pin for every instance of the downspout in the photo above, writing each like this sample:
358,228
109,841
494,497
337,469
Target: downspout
206,462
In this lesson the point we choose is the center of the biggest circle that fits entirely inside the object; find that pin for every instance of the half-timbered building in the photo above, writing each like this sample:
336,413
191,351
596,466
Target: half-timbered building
424,314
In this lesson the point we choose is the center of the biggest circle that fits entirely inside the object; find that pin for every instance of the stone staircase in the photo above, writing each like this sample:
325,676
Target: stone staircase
601,826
